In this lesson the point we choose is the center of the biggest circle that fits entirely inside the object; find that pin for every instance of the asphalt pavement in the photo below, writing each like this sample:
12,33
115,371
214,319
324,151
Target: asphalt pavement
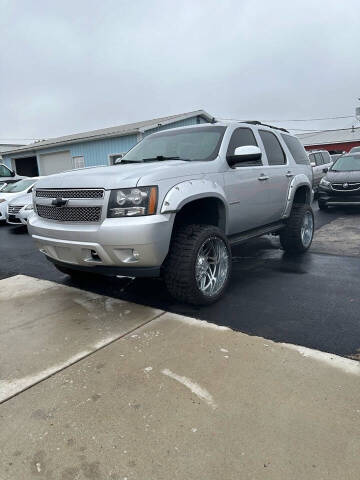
309,300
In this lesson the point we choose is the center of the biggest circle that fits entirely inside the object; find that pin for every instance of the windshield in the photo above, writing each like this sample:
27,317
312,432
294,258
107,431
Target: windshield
346,164
190,144
19,186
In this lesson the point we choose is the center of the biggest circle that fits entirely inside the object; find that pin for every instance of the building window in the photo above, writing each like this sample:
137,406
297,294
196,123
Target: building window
115,156
79,162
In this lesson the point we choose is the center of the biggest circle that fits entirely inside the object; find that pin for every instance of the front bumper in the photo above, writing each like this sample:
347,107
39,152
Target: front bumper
332,198
3,211
117,244
13,220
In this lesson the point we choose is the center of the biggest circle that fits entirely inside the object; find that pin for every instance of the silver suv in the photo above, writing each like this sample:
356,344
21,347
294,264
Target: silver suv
321,162
175,204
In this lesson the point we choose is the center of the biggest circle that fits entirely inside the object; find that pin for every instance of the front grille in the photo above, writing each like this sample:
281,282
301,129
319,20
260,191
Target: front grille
339,187
13,210
67,193
69,214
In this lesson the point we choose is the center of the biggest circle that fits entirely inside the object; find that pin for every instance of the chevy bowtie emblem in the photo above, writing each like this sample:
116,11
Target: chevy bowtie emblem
59,202
345,185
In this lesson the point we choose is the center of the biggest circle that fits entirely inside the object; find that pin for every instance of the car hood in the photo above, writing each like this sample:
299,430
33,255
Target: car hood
10,196
21,199
340,177
123,176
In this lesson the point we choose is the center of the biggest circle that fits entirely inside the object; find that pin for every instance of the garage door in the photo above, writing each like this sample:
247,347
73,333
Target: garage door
55,163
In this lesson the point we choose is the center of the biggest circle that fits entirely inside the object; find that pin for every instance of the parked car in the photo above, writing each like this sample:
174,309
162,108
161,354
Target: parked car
13,190
175,204
7,175
341,185
320,161
335,156
19,209
355,150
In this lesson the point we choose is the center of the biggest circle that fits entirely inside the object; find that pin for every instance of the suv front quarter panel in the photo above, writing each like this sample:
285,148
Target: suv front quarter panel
186,192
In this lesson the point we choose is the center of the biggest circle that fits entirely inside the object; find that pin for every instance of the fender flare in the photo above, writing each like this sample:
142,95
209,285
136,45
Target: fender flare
190,190
298,181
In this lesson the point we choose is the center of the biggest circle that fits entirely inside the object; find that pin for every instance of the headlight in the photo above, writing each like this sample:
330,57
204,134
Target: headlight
2,200
132,202
29,207
324,183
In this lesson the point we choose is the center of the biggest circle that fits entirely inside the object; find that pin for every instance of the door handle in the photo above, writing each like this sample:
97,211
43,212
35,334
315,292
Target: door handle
289,174
263,177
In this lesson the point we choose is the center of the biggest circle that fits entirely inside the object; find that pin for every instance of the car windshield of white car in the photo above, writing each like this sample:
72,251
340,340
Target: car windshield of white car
19,186
198,143
347,164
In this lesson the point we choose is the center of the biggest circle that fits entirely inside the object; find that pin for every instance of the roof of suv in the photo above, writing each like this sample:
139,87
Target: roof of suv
228,123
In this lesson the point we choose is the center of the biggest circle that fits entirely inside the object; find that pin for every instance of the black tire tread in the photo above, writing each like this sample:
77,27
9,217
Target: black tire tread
178,267
290,236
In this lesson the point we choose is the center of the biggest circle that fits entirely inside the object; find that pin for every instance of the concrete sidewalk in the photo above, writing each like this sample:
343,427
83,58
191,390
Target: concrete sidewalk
175,398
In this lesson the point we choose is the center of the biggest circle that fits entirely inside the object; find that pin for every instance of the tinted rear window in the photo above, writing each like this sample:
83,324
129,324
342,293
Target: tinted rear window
296,149
273,149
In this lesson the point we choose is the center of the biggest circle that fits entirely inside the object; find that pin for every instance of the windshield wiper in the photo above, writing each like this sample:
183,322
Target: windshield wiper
162,157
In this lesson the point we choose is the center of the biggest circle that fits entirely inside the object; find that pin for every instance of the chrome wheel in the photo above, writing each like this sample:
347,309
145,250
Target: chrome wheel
307,229
212,266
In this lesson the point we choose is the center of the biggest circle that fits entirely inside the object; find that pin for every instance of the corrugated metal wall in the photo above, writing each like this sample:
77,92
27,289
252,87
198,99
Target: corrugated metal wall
7,161
97,152
180,123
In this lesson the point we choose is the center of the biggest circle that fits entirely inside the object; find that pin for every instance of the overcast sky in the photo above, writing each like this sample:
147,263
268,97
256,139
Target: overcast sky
71,66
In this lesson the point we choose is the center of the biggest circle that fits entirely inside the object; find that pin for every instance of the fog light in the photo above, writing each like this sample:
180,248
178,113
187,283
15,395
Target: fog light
136,254
95,256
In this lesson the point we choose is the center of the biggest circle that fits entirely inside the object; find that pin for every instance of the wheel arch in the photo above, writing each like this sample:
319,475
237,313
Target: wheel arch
197,201
300,192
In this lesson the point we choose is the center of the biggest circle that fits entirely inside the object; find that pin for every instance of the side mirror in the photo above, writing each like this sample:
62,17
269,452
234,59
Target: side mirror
325,170
313,164
118,160
248,153
12,173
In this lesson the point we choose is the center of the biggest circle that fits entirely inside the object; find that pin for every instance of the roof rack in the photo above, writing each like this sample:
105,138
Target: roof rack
256,122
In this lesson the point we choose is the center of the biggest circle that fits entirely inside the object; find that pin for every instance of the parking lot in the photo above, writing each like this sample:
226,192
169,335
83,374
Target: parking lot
99,380
309,300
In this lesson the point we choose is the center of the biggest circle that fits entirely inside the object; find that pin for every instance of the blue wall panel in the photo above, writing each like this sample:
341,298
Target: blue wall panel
6,161
180,123
97,152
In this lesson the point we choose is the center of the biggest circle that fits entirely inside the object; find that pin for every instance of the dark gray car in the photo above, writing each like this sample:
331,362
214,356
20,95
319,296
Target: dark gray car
341,185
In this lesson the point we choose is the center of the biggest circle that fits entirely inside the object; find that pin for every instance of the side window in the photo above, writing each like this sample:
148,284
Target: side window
312,158
326,157
318,159
4,171
273,149
297,150
242,137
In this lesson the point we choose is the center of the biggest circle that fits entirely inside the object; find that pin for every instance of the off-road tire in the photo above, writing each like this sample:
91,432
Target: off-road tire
179,266
290,236
322,206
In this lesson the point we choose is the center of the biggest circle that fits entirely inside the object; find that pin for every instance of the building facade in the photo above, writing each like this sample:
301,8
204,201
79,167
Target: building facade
89,149
334,141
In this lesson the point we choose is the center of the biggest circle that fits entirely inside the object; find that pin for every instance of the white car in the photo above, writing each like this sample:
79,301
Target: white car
8,176
12,191
19,209
321,162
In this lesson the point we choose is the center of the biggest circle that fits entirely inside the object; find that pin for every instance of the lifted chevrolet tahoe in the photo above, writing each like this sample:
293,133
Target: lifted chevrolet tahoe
175,204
